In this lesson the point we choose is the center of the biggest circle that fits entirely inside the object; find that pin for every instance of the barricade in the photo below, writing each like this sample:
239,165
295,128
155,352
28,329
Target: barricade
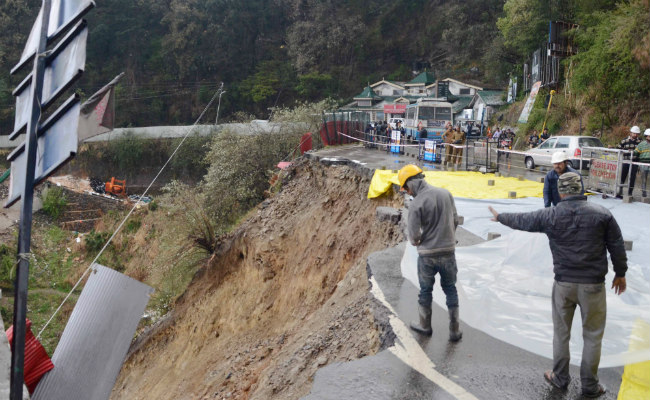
396,145
602,168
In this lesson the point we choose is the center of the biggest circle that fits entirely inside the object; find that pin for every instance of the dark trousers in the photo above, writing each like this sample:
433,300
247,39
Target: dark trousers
624,172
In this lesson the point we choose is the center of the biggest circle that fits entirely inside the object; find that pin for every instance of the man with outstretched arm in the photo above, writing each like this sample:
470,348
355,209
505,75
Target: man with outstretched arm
431,224
580,235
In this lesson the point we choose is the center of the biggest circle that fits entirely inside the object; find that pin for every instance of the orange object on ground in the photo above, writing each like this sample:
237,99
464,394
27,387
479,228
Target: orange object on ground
37,362
116,187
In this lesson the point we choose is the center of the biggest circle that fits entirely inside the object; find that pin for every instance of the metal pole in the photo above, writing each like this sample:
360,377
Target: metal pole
548,109
221,92
25,232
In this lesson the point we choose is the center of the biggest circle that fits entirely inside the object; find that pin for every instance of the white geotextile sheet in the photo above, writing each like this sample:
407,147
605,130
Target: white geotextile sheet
505,285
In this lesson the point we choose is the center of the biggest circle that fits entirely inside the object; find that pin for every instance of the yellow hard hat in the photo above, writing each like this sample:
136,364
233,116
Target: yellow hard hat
406,172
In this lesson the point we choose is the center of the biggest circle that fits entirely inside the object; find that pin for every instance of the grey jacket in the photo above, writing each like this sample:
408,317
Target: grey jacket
432,219
580,235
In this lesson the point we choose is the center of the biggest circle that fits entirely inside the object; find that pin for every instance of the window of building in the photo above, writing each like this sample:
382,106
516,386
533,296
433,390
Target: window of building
465,91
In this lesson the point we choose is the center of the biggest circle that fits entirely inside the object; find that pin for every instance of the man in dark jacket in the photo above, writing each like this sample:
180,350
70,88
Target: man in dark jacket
560,166
580,235
629,144
432,222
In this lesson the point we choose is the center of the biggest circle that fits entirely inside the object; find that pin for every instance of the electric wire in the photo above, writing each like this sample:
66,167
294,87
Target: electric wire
137,203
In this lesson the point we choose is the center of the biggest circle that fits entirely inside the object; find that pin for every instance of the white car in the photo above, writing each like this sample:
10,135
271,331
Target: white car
393,122
572,145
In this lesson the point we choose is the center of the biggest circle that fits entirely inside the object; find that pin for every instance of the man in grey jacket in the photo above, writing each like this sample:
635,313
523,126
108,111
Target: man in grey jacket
432,222
580,235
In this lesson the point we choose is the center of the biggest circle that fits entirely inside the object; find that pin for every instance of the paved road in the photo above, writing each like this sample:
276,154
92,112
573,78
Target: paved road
418,367
481,366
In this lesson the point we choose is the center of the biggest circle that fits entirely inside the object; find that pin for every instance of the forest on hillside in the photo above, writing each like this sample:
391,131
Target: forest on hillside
272,53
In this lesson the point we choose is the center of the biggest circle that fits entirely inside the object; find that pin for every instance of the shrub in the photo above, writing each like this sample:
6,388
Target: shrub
54,202
132,225
200,227
95,241
7,264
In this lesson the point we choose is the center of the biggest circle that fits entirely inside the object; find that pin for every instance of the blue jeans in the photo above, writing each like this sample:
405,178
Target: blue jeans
428,267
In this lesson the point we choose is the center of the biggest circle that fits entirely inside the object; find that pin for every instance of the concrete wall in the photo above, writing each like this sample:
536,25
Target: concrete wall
161,132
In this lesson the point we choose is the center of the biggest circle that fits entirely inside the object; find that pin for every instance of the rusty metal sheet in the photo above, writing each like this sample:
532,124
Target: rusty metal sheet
96,339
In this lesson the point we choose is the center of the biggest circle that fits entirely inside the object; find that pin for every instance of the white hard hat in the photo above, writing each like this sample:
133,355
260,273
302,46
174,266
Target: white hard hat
559,157
635,129
647,132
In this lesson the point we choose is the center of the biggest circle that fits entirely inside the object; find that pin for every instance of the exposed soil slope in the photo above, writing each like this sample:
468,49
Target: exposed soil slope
285,293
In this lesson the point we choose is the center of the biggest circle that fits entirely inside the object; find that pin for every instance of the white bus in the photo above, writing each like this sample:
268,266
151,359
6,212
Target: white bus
430,114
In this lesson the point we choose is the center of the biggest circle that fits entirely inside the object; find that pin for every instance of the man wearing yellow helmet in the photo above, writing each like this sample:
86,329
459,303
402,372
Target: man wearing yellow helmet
431,226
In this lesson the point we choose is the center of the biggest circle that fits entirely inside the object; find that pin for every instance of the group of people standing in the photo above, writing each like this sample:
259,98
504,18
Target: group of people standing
580,235
535,139
383,131
454,138
503,137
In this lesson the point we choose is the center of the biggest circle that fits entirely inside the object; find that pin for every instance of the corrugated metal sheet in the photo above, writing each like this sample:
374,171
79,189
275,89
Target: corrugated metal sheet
36,361
96,339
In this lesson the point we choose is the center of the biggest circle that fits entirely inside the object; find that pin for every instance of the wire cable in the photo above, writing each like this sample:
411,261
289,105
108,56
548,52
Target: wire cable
137,203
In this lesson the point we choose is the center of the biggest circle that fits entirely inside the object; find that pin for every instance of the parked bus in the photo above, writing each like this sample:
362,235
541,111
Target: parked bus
429,114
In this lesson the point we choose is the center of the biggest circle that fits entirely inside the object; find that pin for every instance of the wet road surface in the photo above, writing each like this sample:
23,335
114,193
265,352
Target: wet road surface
419,367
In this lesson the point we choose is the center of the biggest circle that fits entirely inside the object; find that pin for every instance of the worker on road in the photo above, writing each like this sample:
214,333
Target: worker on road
458,139
629,144
580,235
560,166
432,222
447,138
642,154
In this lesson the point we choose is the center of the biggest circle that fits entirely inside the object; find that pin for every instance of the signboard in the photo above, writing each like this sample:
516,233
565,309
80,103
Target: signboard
395,138
429,150
63,67
535,67
56,144
394,108
98,112
63,14
603,170
528,107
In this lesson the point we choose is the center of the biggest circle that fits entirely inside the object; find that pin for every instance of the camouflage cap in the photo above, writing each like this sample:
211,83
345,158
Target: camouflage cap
569,183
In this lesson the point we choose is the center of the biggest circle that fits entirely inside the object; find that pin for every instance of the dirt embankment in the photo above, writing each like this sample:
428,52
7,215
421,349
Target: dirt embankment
285,293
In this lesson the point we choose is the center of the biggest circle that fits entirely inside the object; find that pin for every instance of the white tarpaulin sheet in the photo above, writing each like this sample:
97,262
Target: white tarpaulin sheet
504,285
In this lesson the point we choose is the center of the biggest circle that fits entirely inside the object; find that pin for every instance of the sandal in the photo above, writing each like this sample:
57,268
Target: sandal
552,379
599,392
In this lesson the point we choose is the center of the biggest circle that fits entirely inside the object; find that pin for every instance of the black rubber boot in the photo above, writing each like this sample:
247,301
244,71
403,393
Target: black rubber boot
424,327
455,334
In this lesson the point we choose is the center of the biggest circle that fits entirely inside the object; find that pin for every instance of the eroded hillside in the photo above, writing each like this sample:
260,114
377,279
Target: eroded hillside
285,293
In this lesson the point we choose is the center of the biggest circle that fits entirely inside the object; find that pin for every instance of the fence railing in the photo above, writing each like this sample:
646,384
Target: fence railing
606,171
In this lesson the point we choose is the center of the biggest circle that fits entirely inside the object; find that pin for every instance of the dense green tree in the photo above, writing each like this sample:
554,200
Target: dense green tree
175,53
613,69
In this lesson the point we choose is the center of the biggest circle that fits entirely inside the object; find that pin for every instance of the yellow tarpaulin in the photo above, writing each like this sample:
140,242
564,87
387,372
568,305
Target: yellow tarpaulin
472,185
636,377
